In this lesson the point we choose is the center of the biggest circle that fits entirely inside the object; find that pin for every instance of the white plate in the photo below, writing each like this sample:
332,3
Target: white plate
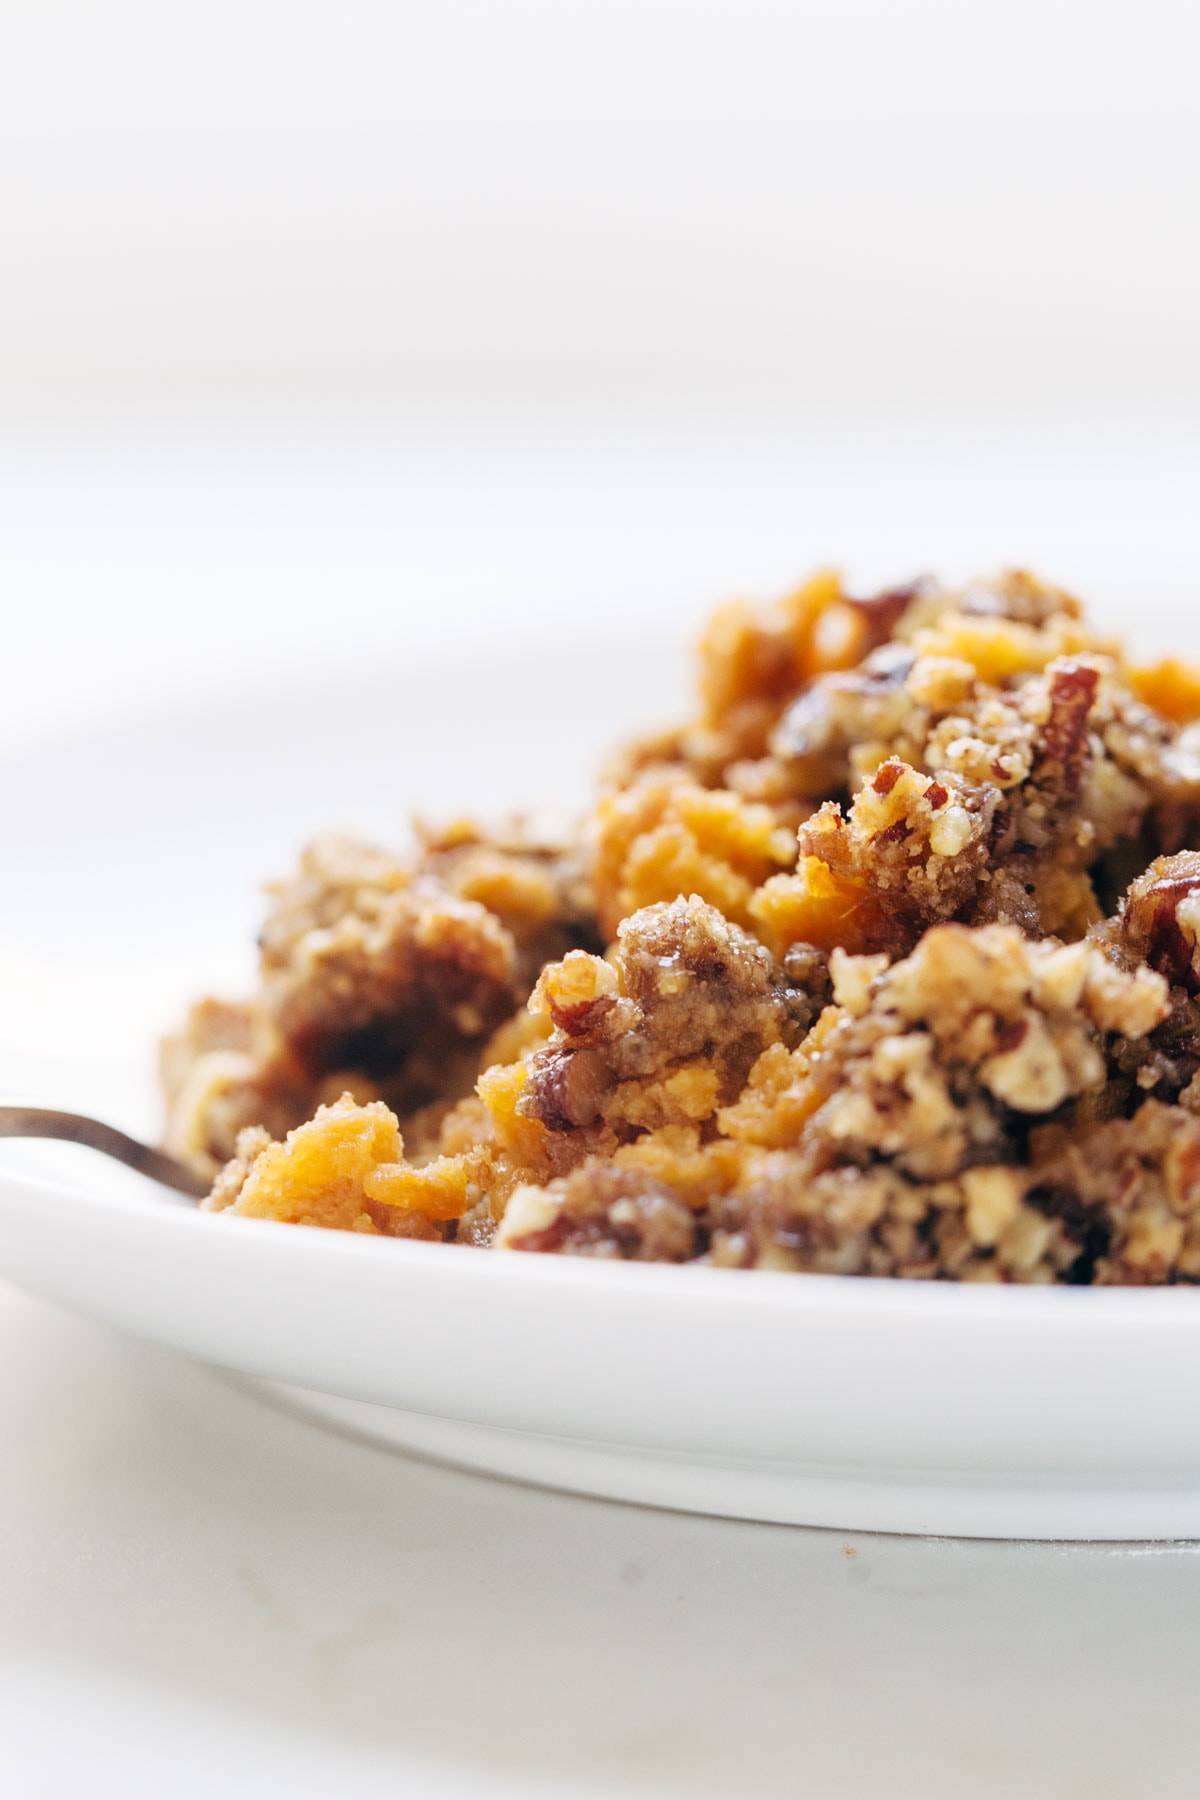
864,1405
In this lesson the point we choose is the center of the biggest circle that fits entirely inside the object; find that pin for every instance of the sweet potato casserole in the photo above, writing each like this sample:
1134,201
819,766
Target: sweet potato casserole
886,962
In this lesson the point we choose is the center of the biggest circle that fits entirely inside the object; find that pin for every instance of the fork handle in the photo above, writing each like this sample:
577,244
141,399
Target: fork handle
76,1128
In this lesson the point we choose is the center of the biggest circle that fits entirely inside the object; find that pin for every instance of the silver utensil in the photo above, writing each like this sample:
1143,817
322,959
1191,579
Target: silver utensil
75,1128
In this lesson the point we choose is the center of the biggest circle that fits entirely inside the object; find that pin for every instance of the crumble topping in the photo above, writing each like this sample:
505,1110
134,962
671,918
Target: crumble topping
886,962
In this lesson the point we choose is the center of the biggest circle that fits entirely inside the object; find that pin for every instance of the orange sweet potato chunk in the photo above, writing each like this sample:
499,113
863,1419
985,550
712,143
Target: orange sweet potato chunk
663,838
319,1173
1171,687
815,906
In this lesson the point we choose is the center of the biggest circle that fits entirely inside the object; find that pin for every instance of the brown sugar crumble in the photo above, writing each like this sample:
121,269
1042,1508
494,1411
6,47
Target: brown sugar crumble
886,962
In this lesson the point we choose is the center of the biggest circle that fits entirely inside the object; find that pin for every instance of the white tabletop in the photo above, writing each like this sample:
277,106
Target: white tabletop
203,1593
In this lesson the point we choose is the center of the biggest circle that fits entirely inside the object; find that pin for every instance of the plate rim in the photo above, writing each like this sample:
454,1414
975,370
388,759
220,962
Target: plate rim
873,1296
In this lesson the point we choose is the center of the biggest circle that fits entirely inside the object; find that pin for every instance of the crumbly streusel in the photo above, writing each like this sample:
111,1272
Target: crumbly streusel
886,962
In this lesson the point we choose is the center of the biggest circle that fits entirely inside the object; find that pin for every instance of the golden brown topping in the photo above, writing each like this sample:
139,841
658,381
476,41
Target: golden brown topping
1160,918
685,986
858,1009
358,957
602,1211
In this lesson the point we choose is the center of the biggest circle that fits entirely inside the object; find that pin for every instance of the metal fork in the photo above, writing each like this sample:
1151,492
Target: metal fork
76,1128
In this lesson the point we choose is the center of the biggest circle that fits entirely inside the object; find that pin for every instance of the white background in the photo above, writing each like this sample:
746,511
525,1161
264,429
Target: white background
330,336
699,208
495,310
